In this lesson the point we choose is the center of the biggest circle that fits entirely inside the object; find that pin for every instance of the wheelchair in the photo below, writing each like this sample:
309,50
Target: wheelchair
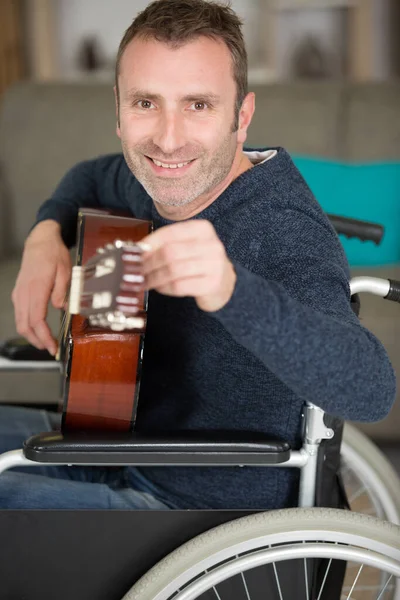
290,553
293,553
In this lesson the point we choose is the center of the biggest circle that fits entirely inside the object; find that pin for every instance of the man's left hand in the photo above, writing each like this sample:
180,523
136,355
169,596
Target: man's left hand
188,259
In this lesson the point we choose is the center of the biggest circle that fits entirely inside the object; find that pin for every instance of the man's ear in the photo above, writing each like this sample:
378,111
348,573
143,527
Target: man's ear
245,115
117,110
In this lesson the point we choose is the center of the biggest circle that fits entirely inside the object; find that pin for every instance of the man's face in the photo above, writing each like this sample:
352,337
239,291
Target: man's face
176,117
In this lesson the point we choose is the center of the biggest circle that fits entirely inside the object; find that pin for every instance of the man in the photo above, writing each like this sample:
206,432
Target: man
249,310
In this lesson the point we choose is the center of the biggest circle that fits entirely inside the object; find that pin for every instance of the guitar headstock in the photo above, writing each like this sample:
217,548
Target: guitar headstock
108,288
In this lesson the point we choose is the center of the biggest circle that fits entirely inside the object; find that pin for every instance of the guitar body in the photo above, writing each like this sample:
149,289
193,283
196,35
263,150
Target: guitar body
102,367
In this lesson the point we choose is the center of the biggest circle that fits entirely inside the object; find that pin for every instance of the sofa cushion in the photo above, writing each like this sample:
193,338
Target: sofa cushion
304,117
371,114
44,130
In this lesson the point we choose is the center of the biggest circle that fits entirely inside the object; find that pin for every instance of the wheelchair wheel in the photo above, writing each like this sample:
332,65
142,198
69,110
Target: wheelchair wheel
372,485
247,559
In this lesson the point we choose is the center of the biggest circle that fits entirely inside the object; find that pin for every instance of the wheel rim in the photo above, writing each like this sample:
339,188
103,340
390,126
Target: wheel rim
273,555
352,547
360,483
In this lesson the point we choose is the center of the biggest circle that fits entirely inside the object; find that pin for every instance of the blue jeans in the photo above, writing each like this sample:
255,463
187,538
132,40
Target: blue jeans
63,487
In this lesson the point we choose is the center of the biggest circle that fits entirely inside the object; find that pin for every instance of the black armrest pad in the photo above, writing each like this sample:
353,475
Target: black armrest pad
21,349
211,448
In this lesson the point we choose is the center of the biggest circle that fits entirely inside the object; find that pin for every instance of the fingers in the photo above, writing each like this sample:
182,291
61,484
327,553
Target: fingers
190,286
167,268
45,337
37,318
23,328
32,293
175,252
189,259
63,276
30,314
37,311
184,231
172,278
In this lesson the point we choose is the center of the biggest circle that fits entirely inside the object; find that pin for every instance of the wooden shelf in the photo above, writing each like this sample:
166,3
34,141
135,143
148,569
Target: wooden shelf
359,31
359,42
12,65
42,43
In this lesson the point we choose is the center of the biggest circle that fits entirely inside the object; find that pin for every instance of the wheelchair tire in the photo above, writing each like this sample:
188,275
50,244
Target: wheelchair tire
375,472
334,531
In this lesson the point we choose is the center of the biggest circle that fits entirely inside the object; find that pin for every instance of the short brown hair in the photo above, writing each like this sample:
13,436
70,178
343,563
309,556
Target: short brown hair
177,22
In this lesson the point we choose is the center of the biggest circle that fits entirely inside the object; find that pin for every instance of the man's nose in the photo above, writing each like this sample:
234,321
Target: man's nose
169,136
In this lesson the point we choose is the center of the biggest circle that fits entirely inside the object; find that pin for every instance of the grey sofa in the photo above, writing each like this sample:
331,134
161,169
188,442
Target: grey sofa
46,128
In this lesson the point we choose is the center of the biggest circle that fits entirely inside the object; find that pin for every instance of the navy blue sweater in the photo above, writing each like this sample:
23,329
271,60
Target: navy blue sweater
287,335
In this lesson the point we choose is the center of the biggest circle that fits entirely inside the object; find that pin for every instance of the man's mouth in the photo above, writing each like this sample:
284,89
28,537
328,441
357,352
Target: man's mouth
170,165
169,168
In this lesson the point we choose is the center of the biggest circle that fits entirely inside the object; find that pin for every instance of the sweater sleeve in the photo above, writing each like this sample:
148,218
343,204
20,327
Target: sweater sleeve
76,189
90,184
300,324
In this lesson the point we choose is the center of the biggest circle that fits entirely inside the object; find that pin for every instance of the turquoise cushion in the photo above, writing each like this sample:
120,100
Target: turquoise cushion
370,192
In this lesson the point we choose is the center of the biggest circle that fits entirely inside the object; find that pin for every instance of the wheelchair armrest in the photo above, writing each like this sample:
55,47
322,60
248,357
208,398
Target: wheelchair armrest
184,448
19,349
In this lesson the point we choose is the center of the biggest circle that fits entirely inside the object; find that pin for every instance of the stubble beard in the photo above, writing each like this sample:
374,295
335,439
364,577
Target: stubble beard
201,179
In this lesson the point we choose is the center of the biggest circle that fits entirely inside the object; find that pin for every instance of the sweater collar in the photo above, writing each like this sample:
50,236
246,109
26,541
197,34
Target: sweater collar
265,161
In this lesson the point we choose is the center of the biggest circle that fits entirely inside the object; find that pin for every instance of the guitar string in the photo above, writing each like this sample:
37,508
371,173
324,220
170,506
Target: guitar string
62,329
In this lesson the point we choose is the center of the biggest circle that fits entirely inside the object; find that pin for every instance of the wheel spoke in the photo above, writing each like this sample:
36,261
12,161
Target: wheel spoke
355,581
357,494
245,584
245,587
214,588
277,581
306,578
324,580
380,597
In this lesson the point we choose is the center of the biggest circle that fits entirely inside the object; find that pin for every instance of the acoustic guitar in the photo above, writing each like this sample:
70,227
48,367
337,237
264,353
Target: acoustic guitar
102,336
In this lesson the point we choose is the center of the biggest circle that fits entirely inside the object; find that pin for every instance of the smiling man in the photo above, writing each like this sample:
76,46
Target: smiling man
177,121
249,308
182,129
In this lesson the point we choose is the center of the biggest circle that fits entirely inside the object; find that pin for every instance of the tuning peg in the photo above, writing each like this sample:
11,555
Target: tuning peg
100,250
131,258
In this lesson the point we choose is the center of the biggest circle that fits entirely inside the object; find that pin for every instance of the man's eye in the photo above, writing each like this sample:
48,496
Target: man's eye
199,106
144,104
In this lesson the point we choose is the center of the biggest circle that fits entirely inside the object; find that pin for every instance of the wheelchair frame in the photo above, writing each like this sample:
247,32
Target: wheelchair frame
131,449
39,450
53,449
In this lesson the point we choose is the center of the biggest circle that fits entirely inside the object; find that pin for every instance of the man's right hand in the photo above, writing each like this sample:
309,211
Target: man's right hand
45,274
